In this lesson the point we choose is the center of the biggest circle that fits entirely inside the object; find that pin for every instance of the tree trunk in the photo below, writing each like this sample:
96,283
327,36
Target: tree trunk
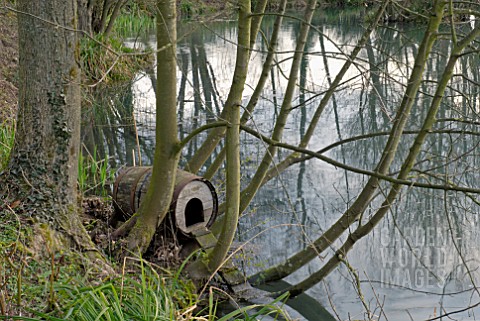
113,16
267,66
214,136
250,191
157,200
85,11
43,168
48,128
98,16
233,139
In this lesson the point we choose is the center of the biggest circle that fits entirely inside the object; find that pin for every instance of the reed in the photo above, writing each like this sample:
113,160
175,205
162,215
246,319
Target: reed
94,173
131,25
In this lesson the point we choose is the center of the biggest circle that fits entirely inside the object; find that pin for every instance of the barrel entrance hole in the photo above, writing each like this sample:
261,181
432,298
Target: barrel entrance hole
194,212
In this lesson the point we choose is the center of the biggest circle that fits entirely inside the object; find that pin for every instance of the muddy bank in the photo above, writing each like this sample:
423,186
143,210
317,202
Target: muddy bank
8,64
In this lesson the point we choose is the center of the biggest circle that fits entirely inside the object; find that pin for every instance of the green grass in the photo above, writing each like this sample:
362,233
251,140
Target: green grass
118,63
139,294
254,312
135,19
57,285
144,295
94,174
132,25
6,144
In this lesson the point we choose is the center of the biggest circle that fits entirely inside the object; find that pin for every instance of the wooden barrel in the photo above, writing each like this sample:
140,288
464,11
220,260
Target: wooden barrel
194,203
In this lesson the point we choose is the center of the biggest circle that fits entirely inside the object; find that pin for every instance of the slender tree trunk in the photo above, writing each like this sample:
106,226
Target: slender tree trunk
113,16
159,194
107,4
267,67
233,139
257,19
215,135
249,192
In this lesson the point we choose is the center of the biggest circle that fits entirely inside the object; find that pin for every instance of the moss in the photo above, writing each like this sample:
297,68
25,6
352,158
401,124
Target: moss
73,72
31,257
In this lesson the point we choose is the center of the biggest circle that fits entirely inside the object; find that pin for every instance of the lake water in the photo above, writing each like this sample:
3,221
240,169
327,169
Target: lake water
423,259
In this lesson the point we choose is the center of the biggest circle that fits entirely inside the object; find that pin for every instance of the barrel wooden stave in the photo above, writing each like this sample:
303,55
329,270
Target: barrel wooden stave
131,186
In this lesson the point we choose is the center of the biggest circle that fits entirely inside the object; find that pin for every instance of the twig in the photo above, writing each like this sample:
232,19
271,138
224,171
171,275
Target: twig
136,139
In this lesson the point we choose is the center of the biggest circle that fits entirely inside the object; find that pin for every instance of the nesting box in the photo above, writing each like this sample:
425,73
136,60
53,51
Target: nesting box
194,203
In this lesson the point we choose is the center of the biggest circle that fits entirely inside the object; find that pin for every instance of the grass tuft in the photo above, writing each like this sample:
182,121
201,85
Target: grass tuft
141,294
134,25
7,134
108,60
254,312
94,174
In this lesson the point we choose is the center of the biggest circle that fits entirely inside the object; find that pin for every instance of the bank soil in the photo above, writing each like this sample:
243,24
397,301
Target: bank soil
8,64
